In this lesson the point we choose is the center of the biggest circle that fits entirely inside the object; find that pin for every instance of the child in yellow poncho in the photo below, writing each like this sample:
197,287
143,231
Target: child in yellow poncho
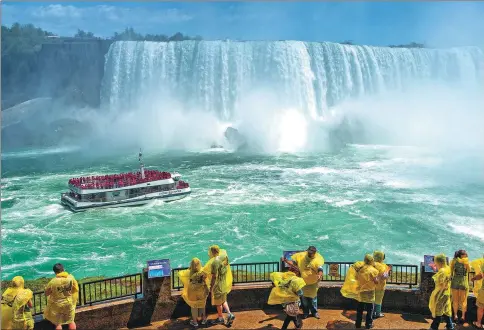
383,272
478,266
287,291
62,293
459,269
220,275
310,264
195,290
439,303
16,305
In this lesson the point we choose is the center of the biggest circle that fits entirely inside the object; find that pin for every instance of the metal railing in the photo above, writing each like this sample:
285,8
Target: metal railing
399,274
333,272
403,275
254,272
98,291
112,288
132,285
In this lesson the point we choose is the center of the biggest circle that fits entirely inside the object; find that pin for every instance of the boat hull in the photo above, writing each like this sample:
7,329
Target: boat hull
169,196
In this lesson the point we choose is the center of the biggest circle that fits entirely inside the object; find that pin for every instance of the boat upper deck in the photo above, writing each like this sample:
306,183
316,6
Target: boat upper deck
113,181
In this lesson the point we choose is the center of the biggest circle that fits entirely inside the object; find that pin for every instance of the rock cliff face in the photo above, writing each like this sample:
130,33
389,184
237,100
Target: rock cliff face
73,71
68,70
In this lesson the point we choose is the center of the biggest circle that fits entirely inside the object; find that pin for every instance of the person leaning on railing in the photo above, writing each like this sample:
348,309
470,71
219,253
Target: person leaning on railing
478,266
16,305
195,290
310,264
62,293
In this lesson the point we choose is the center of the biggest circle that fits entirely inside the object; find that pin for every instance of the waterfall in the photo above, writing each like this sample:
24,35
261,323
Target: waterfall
215,76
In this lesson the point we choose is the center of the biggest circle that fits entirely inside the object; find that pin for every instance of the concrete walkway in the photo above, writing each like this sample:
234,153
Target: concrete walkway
330,319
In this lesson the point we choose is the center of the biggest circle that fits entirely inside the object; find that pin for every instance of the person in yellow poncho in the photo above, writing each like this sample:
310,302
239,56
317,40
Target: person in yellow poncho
195,290
16,305
310,264
287,291
478,266
360,284
383,273
459,269
439,303
62,293
220,275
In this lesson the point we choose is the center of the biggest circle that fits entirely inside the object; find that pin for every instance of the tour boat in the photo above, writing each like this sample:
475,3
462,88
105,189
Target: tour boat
124,189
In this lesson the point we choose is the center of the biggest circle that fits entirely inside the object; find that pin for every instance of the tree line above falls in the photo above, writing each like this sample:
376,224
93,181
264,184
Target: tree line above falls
29,71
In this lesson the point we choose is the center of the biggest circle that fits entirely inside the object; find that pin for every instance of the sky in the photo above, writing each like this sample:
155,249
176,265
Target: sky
437,23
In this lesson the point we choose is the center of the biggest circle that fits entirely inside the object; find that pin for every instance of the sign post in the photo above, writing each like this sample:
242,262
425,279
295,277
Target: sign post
159,268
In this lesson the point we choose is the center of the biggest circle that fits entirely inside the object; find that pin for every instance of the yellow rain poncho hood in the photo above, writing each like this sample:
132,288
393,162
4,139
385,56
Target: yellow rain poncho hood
62,301
439,303
309,271
219,265
478,266
286,286
14,300
195,284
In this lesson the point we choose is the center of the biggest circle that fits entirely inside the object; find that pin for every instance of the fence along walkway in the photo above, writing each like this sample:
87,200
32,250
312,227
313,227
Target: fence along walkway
132,285
98,291
260,272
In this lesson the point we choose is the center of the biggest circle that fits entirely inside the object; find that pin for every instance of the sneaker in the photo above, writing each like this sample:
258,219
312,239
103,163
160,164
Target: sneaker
230,318
204,322
317,316
193,324
305,316
377,316
219,320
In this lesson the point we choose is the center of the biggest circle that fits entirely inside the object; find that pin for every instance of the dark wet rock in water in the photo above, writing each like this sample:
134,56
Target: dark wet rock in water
215,146
235,139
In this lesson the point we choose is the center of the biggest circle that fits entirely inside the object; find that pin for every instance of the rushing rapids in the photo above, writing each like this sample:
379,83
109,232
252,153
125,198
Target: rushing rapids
216,76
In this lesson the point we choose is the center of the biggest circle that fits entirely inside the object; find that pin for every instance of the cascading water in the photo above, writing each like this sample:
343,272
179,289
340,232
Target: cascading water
216,76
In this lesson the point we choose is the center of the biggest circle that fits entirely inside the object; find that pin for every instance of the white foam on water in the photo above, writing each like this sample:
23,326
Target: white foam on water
474,230
271,220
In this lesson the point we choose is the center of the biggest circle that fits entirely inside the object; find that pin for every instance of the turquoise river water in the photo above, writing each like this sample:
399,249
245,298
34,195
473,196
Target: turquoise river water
407,201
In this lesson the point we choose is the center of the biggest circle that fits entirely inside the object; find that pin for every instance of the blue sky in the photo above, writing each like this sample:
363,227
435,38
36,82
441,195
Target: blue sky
438,24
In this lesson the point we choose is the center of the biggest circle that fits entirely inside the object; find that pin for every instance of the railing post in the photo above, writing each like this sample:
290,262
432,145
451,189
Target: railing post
84,292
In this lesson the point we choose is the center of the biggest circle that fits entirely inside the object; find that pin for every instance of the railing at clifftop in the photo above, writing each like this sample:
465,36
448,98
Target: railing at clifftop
258,272
98,291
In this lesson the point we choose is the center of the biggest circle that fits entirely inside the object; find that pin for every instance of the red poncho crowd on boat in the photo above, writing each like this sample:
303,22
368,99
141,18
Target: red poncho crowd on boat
182,184
118,180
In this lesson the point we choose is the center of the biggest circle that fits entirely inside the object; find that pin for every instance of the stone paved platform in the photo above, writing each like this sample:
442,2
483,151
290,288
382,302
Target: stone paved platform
330,319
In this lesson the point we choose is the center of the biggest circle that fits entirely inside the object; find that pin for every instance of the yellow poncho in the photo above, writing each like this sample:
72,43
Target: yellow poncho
15,313
359,283
380,286
439,303
62,301
309,271
287,285
195,287
478,266
220,266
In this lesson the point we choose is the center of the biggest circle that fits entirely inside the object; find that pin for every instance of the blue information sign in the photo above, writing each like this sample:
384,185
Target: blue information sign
429,264
288,255
159,268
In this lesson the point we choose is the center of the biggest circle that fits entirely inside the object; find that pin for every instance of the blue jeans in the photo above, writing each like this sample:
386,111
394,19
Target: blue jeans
309,304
